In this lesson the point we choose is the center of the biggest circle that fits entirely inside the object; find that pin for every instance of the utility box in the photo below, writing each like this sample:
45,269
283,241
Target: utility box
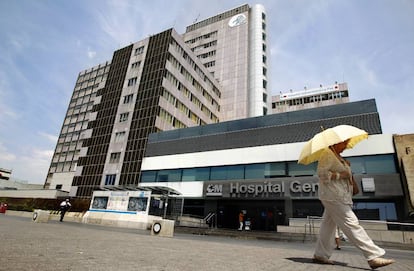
41,216
163,228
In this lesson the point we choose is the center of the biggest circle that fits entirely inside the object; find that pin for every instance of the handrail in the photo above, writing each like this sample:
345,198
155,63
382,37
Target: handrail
211,216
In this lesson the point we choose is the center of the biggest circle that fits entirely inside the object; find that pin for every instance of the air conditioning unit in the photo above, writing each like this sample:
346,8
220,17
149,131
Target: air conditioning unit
41,216
163,228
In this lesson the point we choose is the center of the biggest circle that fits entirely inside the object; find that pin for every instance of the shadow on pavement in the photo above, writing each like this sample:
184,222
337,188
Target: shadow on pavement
309,260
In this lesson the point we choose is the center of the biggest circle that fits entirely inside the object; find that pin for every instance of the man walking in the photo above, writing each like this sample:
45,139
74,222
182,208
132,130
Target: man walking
64,206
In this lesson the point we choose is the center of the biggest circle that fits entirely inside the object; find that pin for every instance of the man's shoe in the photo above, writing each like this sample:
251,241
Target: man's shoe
321,260
380,262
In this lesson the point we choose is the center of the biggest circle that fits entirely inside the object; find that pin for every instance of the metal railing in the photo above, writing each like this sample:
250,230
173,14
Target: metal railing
211,220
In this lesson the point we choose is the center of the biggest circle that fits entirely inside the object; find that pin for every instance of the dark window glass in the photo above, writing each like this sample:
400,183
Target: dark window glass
296,169
255,171
235,172
227,173
148,176
374,164
110,179
218,173
196,174
275,170
169,175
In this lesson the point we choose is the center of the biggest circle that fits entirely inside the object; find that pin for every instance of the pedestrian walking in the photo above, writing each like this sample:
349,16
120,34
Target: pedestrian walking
336,187
64,207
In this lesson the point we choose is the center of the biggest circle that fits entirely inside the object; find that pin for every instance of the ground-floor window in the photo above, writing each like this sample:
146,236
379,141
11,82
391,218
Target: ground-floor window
375,210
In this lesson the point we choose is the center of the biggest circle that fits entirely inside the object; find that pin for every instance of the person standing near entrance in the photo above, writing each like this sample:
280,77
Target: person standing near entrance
335,193
241,220
64,207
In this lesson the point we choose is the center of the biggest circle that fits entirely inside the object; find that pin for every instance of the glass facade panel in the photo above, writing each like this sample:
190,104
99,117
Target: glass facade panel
357,165
380,164
218,173
275,170
169,175
385,210
148,176
377,164
296,169
235,172
196,174
255,171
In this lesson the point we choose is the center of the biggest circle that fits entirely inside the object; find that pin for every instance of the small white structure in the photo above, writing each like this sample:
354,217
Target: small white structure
127,209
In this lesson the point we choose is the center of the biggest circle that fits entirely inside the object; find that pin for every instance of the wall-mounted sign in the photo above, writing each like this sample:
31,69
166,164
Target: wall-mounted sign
276,189
237,20
368,185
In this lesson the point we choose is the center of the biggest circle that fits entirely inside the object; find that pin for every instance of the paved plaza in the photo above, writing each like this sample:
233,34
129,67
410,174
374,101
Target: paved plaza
25,245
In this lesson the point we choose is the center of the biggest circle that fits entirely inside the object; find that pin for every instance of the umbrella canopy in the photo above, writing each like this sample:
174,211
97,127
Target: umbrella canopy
314,147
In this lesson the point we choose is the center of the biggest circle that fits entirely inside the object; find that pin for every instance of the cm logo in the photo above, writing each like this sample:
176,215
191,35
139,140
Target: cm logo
214,190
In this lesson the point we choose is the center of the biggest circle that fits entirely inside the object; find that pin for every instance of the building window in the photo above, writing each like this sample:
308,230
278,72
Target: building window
115,156
149,176
123,117
128,98
297,170
378,164
264,97
196,174
110,179
119,136
139,50
132,81
135,65
58,186
169,175
264,84
227,173
264,59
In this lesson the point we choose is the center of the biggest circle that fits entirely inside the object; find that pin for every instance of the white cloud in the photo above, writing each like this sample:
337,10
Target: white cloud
32,166
91,54
50,137
5,156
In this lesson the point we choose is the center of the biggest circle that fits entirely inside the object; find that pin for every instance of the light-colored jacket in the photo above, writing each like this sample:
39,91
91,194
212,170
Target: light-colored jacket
331,188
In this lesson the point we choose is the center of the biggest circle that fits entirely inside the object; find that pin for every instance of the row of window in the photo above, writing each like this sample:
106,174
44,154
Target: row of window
187,93
174,121
196,68
190,79
96,71
312,99
378,164
203,37
205,45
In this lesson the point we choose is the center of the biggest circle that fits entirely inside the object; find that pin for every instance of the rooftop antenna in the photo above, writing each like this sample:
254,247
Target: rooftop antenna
196,19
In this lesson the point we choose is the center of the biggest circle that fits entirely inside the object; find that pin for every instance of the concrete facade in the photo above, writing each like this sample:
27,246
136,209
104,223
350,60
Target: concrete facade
404,145
233,46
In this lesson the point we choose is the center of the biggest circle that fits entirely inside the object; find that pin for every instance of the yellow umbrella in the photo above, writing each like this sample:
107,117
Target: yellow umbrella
314,147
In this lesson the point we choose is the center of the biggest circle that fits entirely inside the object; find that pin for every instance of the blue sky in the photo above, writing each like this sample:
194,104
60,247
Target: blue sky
44,44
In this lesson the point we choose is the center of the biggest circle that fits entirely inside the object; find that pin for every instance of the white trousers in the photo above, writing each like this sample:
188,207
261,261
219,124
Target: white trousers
341,215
